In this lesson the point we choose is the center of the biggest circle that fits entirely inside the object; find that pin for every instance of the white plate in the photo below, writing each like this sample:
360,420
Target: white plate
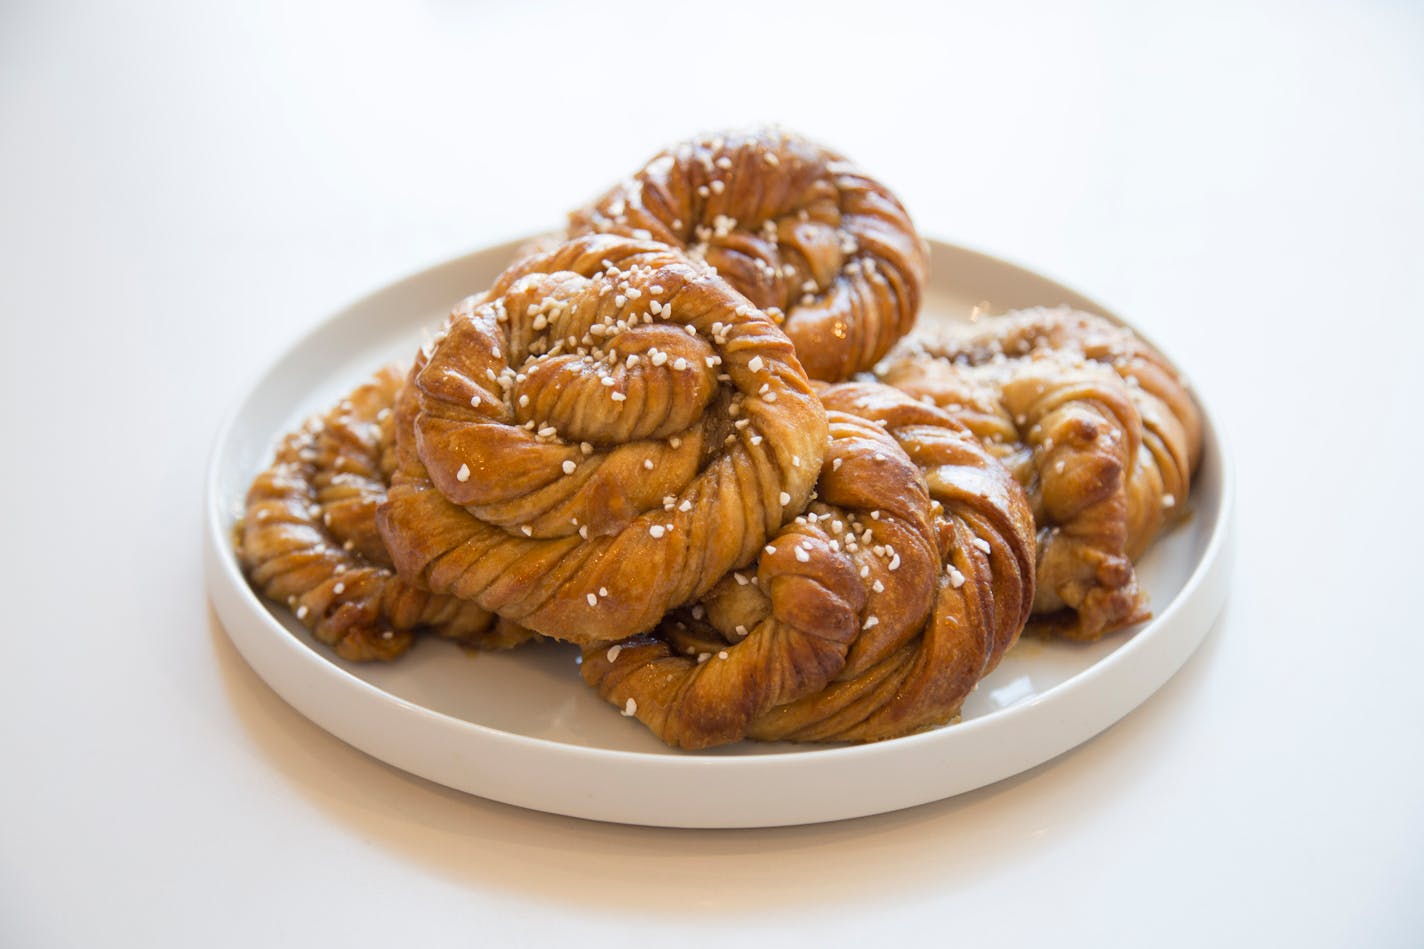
521,727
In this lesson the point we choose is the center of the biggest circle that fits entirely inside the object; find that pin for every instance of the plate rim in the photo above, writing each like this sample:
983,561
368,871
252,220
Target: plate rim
1202,592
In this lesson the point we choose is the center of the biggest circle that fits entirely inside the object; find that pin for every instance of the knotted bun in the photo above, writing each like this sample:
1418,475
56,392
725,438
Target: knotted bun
308,538
872,615
793,226
1097,426
597,439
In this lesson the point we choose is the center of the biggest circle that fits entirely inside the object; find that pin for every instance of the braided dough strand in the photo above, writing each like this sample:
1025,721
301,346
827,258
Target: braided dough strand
983,588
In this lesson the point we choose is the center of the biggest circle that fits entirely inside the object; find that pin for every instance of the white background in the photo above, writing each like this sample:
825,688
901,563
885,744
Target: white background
185,188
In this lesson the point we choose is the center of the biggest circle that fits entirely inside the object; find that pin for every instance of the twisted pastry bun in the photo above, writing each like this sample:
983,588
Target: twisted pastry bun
309,537
871,615
598,439
1094,423
793,226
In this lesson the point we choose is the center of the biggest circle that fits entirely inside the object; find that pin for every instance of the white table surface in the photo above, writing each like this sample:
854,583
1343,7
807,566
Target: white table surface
184,188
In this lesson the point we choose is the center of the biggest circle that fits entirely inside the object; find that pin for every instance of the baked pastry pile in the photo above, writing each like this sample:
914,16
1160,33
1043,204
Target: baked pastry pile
641,439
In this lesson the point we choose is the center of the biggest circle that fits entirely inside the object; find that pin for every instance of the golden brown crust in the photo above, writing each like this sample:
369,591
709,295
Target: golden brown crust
794,227
872,615
597,439
309,539
1098,428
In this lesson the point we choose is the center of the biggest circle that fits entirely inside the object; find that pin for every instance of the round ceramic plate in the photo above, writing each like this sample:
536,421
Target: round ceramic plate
521,727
